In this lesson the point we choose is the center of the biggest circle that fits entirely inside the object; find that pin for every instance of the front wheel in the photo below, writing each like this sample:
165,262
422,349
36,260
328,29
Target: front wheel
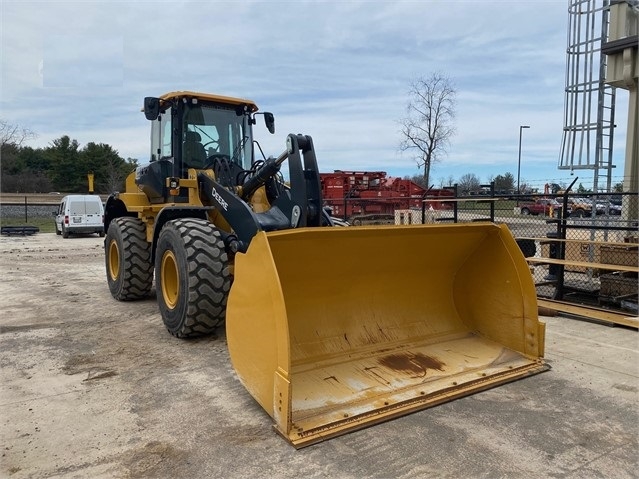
525,211
192,277
127,257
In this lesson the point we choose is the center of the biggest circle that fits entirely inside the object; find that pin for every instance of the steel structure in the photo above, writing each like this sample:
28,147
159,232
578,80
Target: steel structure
589,106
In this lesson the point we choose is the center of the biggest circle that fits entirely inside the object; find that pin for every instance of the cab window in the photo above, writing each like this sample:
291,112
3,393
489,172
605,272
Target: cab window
161,136
220,131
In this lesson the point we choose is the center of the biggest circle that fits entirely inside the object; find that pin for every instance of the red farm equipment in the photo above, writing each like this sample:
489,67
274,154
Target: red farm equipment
372,197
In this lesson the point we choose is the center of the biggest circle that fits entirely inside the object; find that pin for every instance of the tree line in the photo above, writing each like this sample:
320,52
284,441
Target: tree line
470,183
62,166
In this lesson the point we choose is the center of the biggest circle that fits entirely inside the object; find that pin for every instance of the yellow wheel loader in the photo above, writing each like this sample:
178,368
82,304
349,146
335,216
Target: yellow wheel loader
331,329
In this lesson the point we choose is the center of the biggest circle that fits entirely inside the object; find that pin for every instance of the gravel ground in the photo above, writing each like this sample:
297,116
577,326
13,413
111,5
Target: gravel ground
92,387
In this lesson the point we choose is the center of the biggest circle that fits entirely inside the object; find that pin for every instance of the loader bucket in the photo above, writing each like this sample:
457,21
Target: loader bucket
335,329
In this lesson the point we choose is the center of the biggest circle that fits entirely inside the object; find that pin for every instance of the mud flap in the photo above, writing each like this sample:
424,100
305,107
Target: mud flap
335,329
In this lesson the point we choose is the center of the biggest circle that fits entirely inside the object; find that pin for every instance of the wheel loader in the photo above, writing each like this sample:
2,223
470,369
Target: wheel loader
331,329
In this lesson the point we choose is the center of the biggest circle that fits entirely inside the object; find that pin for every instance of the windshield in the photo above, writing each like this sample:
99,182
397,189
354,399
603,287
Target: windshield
211,130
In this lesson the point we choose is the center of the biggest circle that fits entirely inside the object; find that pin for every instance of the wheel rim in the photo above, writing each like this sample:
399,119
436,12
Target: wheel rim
170,280
114,260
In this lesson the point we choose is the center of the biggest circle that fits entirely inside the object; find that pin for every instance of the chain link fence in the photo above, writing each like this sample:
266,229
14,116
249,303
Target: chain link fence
581,249
588,253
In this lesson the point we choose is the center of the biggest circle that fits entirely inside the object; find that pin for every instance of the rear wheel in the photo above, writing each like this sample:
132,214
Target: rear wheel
192,277
65,232
525,211
128,259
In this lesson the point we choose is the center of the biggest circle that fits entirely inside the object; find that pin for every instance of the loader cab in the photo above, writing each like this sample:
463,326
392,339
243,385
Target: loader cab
215,135
196,130
200,131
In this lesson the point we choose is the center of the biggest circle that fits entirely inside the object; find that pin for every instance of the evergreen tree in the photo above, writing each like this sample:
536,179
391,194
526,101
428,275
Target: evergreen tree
64,157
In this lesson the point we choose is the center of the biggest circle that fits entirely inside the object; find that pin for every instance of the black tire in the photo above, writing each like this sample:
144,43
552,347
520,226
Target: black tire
65,232
57,231
192,277
525,211
101,234
579,213
127,256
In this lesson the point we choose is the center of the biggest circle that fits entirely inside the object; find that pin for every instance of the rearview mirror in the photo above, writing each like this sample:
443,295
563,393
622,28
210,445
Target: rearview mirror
151,108
269,119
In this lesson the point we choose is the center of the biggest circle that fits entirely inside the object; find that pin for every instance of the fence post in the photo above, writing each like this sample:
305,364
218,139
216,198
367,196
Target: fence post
455,204
424,203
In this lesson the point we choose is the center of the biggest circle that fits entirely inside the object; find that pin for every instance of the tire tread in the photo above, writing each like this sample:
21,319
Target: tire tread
136,268
209,278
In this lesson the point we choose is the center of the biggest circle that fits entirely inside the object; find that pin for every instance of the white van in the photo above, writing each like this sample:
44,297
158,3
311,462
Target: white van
80,214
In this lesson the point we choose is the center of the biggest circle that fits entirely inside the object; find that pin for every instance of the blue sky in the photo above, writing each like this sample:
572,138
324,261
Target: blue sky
338,71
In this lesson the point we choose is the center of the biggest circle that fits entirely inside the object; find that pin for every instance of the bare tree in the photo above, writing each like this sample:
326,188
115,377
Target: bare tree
417,179
116,171
428,125
468,183
14,135
444,182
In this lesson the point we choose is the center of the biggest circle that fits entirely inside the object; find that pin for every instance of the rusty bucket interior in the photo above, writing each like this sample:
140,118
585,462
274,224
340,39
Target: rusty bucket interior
335,329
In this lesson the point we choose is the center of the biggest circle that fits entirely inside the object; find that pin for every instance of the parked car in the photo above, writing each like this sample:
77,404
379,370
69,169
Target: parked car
616,200
80,214
544,206
610,208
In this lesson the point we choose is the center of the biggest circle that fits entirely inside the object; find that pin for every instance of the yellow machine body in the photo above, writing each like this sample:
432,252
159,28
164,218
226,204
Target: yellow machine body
335,329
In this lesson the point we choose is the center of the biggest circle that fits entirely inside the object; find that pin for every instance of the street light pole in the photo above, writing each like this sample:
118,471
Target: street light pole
521,127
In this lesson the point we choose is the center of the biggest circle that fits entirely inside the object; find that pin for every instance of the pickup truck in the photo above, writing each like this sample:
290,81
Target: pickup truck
581,207
541,206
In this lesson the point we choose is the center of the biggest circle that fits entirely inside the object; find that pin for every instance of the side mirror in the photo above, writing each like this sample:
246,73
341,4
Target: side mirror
151,108
269,119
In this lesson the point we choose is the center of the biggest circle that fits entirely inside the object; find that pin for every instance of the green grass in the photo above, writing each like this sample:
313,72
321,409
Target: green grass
502,208
46,225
